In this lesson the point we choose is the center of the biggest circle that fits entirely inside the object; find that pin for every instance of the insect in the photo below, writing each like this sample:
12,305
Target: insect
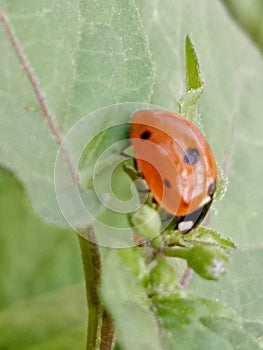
177,163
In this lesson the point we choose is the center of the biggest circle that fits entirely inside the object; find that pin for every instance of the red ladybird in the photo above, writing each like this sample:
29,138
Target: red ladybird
177,164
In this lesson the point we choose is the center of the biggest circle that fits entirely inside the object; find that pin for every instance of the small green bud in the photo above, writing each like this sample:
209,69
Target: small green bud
162,278
146,222
208,262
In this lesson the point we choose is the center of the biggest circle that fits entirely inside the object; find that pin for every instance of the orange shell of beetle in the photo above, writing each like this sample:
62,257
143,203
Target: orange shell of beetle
161,140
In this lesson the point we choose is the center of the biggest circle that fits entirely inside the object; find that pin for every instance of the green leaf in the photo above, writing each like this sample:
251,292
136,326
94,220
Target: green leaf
113,63
255,329
95,149
28,148
134,259
192,324
31,155
193,75
126,300
105,135
84,81
204,235
232,332
52,321
194,86
49,33
97,55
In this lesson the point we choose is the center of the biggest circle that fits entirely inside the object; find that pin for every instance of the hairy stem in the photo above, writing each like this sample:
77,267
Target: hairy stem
107,332
92,272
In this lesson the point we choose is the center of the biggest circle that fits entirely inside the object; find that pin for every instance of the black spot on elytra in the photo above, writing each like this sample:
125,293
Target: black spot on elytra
167,183
145,135
191,156
211,189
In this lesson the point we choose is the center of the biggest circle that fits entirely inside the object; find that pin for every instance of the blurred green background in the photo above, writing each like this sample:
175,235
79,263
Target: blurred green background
38,263
249,15
42,294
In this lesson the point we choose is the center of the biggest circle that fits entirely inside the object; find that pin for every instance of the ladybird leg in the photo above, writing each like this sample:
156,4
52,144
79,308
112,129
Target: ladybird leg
136,165
135,176
140,184
145,190
169,217
140,175
169,223
122,153
154,200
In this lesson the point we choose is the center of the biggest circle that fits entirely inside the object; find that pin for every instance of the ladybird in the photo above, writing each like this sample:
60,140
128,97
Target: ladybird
177,163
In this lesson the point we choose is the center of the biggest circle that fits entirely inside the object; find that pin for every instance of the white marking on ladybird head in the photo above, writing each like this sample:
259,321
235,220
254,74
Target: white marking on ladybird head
185,226
205,201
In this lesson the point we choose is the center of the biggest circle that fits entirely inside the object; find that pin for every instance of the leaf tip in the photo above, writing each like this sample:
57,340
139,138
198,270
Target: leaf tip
194,79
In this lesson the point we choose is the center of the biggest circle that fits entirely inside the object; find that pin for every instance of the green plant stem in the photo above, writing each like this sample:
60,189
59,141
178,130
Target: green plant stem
186,277
176,252
92,272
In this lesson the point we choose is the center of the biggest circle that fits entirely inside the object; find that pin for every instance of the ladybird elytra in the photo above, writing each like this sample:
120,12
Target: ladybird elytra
175,160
